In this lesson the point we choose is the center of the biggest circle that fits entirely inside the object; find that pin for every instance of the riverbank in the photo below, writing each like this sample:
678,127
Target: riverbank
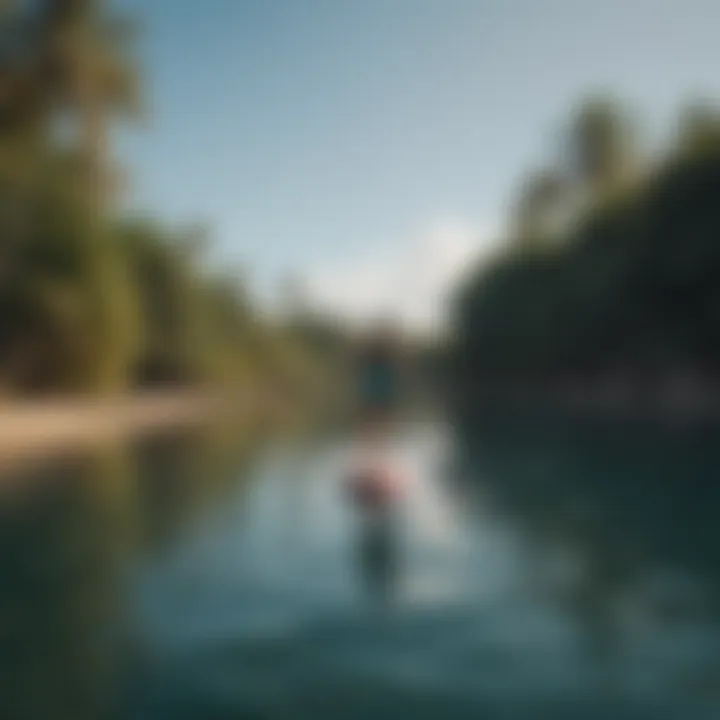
34,428
672,403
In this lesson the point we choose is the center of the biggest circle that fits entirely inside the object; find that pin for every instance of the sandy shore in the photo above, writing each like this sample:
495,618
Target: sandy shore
29,429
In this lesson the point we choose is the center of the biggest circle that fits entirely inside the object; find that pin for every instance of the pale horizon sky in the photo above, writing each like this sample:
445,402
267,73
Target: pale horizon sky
373,146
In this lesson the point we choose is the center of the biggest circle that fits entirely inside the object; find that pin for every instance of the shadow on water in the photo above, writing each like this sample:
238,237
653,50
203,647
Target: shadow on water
556,571
622,533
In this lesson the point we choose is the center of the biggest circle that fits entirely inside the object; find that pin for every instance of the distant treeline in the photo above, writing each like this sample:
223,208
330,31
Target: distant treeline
92,301
611,273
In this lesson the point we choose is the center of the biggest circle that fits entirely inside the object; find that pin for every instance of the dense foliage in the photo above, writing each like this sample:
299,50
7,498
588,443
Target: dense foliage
89,300
623,289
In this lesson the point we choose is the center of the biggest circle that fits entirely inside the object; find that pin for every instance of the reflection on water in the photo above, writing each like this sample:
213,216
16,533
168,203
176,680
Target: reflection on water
545,573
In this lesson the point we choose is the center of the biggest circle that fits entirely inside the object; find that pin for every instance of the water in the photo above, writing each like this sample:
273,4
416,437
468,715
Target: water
547,572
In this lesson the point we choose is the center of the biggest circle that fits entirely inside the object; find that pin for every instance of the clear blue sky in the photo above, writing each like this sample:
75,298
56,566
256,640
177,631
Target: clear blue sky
306,129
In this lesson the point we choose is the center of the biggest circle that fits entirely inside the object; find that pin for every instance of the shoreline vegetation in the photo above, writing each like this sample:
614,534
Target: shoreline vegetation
605,297
610,269
96,299
672,404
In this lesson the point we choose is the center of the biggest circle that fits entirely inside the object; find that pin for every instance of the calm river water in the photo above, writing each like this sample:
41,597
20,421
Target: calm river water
546,572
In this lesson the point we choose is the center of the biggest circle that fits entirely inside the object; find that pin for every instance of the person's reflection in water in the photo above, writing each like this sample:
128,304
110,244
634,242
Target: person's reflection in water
375,491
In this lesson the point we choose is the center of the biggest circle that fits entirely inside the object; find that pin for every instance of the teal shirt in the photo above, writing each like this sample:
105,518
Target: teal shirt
378,383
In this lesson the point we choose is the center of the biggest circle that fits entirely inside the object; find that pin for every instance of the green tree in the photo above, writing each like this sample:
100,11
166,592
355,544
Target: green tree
601,148
699,130
86,77
60,64
629,295
539,209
